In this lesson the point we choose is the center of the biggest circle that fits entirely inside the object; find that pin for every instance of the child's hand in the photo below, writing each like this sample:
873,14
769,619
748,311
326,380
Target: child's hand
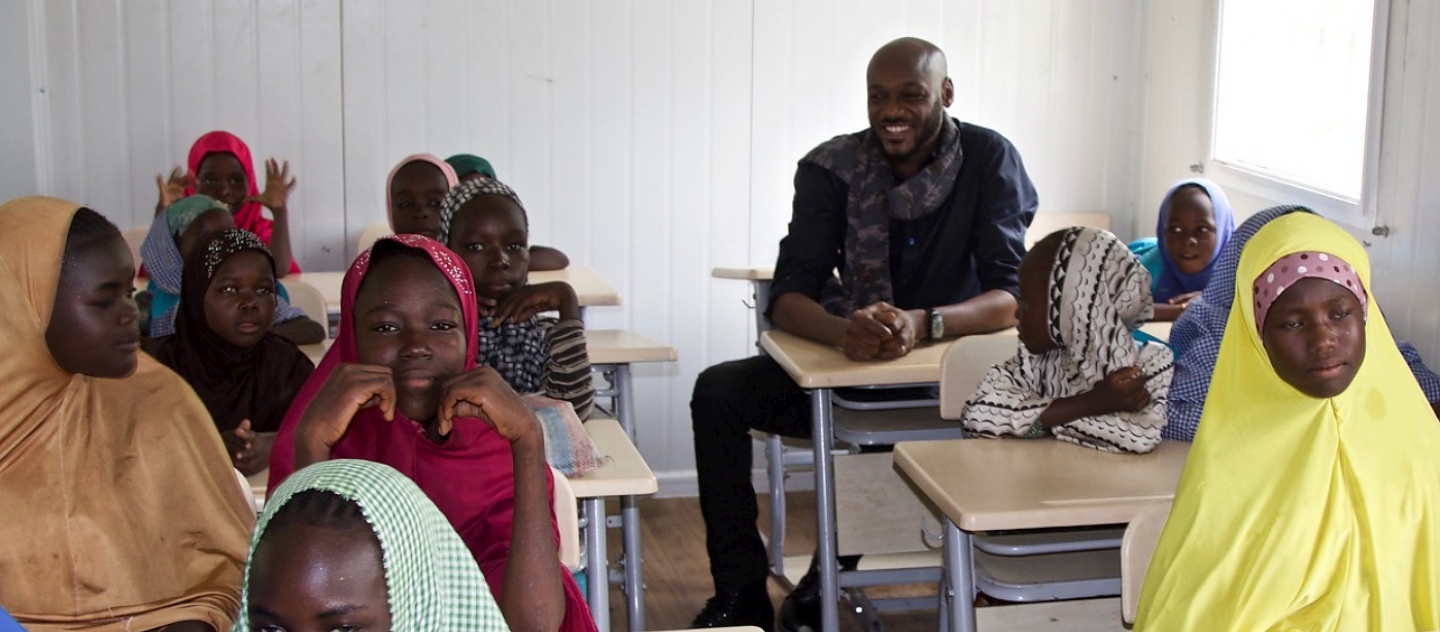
350,389
244,455
172,189
533,299
482,393
278,185
1124,390
1183,300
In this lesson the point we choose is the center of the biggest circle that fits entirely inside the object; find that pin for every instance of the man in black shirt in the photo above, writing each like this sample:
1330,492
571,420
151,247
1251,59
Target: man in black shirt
924,219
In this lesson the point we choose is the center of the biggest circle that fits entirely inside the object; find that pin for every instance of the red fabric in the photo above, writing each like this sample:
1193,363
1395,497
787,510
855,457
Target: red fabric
249,216
470,478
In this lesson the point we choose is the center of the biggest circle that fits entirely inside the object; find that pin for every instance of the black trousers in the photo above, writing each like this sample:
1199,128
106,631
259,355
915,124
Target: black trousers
729,400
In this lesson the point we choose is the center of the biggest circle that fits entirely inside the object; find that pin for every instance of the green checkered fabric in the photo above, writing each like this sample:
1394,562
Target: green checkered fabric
434,583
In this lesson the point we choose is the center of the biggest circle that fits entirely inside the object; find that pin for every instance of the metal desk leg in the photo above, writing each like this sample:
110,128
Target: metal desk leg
634,580
624,403
959,587
823,431
597,562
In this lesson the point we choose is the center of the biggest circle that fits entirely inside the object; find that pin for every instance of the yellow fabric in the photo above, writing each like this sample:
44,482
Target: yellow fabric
120,509
1296,513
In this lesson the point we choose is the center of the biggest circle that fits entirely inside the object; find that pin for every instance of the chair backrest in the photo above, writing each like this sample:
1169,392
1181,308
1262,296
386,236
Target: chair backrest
308,298
133,238
965,363
370,235
1046,223
1136,548
567,518
245,488
1159,329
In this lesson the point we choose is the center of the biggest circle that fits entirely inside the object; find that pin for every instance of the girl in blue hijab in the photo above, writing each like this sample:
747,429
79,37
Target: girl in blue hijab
1194,225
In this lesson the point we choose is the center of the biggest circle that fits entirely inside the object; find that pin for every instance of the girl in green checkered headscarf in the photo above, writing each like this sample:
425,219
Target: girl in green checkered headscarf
354,544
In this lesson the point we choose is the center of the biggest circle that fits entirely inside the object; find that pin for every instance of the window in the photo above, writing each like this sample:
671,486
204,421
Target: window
1297,106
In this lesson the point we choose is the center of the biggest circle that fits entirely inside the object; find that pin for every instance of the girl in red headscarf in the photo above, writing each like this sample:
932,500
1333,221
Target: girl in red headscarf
401,387
220,166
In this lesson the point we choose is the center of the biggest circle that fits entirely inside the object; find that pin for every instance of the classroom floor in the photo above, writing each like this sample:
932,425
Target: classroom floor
677,577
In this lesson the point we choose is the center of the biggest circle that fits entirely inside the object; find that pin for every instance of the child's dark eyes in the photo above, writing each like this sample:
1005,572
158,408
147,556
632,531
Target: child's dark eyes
515,247
1340,314
474,247
384,328
443,326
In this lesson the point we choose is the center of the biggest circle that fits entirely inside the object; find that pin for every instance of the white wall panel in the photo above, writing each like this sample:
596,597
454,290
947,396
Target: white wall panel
649,139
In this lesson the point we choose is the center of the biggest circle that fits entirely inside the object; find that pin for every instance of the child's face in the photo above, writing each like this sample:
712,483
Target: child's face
92,329
1190,231
415,196
489,233
318,579
408,318
240,302
209,222
221,176
1315,337
1034,305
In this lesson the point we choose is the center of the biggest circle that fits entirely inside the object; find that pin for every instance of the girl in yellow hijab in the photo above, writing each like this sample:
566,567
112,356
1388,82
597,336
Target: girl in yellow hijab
121,511
1311,497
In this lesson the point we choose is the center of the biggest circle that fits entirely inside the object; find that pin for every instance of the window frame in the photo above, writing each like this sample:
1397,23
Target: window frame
1277,189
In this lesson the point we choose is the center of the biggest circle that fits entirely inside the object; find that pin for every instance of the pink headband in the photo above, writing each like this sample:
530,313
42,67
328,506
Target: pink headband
1302,265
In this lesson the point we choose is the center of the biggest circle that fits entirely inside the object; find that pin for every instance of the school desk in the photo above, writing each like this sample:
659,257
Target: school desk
612,351
622,474
590,288
1017,484
820,368
759,279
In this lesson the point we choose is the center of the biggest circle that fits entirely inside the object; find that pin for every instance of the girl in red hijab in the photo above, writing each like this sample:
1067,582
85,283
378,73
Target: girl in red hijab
220,166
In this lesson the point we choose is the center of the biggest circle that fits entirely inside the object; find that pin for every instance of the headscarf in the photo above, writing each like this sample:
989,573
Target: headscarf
164,266
450,178
466,164
250,215
875,199
236,383
1196,335
121,509
430,577
462,193
1172,282
470,478
1298,513
1098,294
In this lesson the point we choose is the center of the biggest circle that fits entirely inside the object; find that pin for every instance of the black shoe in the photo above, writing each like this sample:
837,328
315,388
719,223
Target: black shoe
747,606
800,611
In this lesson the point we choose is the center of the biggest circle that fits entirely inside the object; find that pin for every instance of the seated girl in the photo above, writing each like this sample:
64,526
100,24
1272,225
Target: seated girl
223,347
400,387
121,511
1196,336
1310,498
469,167
414,191
354,545
173,236
1194,224
1084,372
220,166
487,227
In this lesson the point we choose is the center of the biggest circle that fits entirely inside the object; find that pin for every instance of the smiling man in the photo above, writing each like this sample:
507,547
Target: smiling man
924,218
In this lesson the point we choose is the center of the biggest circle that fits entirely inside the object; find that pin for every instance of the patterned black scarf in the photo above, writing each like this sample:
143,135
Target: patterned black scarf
875,199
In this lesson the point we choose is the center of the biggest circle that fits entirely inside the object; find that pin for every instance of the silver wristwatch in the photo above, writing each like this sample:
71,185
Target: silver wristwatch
937,324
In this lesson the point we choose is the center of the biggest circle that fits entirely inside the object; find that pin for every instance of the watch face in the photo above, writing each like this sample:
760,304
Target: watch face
937,325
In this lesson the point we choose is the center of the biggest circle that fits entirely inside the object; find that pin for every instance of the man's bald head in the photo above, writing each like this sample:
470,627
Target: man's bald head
914,54
907,93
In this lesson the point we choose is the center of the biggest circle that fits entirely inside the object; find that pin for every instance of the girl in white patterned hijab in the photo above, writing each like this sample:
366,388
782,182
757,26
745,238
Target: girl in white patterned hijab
1084,372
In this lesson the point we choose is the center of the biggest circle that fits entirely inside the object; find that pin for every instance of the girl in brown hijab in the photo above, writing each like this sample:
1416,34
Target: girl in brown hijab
122,512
